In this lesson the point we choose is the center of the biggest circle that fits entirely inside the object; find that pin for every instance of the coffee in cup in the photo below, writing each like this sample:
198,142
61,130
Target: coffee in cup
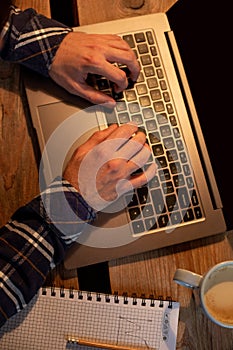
215,289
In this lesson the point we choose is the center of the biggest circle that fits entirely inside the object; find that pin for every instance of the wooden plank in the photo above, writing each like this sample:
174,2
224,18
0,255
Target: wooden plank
18,165
92,11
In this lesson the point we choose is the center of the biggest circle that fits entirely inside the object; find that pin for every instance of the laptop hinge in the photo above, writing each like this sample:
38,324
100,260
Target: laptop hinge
203,153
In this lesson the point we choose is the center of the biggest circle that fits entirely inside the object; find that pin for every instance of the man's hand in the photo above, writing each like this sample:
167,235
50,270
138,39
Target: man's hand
81,53
102,168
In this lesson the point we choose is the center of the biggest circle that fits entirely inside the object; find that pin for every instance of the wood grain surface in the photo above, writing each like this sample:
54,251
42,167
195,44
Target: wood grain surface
18,163
92,11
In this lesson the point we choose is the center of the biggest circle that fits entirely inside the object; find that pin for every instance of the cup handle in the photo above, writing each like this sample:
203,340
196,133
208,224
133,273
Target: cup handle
187,278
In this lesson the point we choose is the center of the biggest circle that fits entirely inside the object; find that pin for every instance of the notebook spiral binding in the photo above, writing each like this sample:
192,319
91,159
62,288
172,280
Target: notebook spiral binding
134,299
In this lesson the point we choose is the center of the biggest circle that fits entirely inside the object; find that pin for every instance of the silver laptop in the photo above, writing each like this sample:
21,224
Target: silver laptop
182,202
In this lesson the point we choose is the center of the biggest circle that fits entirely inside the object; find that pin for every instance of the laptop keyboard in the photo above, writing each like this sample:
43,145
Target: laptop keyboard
171,197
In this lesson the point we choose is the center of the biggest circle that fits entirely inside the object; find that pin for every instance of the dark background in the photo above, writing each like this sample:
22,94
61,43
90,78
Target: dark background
204,36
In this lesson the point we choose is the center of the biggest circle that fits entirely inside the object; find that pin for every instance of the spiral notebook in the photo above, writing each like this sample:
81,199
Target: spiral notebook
58,318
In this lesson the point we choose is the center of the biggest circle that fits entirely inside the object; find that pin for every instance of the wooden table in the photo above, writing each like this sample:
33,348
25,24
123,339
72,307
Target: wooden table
149,273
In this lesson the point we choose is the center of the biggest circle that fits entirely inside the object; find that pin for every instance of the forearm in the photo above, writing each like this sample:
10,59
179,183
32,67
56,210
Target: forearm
32,39
31,243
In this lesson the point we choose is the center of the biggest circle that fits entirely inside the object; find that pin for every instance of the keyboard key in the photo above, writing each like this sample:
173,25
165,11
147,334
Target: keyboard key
183,197
157,62
146,60
171,202
137,118
140,37
103,84
188,215
178,180
143,48
141,89
154,182
135,213
140,78
152,83
176,218
134,107
130,40
168,143
160,74
143,195
155,94
198,212
111,116
166,96
130,95
144,101
165,130
163,85
158,201
163,220
169,107
148,113
150,37
150,224
138,227
153,50
157,150
167,187
147,210
172,155
154,137
172,119
162,162
151,125
194,198
149,71
121,106
123,118
176,133
175,168
159,106
164,175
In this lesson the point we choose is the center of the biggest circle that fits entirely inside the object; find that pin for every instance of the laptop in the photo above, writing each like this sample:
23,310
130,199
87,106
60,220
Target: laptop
182,202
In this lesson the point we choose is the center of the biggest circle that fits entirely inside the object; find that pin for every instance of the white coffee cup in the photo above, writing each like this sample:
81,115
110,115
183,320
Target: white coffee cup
215,291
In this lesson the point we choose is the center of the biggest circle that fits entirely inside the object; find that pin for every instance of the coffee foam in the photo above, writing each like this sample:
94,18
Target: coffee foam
219,302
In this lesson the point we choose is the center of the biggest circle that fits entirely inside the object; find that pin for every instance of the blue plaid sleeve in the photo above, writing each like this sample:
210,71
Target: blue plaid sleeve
35,240
32,39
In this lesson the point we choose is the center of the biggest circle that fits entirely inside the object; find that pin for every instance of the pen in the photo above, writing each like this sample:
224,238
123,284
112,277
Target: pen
71,339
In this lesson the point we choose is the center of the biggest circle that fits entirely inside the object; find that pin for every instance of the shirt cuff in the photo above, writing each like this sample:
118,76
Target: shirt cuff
64,210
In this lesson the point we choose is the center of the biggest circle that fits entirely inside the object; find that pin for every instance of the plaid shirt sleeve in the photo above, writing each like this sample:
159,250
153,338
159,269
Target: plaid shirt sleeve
32,39
35,239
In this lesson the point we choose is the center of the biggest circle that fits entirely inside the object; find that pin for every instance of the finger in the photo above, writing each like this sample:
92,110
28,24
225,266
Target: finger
125,131
139,160
89,93
112,73
145,177
132,147
98,137
126,185
127,58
